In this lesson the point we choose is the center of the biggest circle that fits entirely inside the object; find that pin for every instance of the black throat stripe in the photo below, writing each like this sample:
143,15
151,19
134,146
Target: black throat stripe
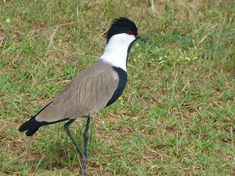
122,74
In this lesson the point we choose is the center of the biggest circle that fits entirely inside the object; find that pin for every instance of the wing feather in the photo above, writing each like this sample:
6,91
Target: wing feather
87,93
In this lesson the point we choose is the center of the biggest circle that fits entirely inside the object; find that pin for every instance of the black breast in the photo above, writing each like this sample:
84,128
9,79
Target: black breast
121,85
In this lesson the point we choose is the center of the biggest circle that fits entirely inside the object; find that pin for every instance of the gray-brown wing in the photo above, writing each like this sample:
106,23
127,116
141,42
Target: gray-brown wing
87,93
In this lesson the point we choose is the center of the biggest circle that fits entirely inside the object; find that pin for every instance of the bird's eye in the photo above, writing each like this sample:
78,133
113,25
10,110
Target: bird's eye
130,32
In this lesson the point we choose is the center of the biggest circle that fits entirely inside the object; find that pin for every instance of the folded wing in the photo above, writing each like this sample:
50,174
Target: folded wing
87,93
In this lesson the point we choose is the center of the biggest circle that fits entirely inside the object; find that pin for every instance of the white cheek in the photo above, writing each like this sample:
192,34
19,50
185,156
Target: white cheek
116,50
127,39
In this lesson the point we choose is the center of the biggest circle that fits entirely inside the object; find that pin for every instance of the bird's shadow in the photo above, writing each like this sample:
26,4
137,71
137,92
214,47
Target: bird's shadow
52,149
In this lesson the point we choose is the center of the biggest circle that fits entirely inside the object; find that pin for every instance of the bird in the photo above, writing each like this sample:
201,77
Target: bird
95,88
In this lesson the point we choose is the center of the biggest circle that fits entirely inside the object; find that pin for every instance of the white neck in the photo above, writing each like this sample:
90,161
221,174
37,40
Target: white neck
116,50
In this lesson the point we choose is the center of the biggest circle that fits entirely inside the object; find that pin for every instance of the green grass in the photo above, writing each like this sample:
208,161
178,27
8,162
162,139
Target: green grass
177,114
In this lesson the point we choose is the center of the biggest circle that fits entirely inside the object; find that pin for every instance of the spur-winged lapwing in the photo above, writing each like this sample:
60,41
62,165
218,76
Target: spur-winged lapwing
95,88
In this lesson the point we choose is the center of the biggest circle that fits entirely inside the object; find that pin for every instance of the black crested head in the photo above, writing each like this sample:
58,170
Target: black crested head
121,25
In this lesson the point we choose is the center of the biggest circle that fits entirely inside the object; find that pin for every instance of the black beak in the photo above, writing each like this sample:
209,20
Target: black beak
139,37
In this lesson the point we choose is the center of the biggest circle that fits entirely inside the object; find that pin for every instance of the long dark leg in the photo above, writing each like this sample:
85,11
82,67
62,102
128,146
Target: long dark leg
66,126
85,137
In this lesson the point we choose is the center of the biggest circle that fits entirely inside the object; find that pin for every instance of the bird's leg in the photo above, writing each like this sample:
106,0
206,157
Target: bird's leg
85,137
66,126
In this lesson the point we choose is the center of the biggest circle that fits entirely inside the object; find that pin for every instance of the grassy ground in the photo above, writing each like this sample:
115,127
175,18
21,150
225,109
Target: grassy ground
177,115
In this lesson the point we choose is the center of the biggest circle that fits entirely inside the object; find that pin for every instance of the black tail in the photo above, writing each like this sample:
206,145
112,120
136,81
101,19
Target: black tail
31,126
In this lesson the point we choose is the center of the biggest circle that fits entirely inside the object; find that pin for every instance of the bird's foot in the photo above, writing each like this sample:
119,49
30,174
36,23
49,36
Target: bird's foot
85,161
84,166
